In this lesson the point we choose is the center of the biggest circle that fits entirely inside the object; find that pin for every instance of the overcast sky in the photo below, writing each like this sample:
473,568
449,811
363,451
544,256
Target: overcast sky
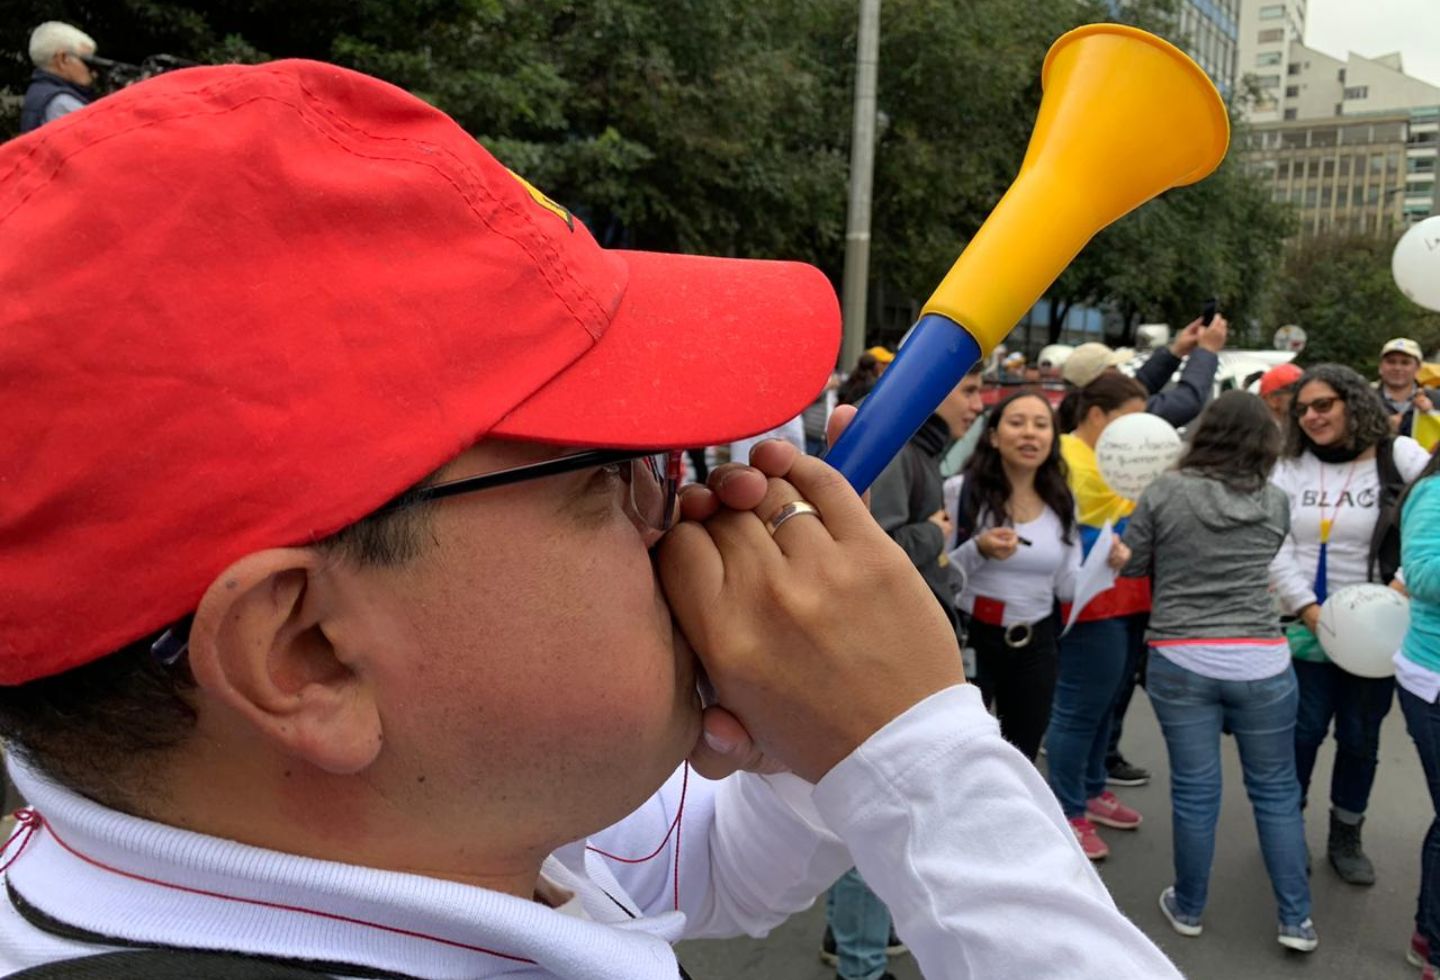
1375,27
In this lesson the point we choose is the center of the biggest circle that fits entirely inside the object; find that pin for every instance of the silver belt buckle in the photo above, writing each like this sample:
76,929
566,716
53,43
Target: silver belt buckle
1019,635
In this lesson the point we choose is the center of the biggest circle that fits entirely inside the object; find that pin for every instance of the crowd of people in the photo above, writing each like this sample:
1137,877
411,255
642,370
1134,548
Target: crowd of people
1279,498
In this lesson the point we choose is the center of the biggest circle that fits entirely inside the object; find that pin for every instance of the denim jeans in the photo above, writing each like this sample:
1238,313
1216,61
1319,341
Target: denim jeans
1092,666
1136,654
860,923
1261,714
1423,722
1358,705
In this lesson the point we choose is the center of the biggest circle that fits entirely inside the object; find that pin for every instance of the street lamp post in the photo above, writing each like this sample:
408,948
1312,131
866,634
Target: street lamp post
862,169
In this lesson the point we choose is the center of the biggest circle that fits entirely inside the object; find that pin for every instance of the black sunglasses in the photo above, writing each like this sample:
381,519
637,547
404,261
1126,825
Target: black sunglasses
1321,405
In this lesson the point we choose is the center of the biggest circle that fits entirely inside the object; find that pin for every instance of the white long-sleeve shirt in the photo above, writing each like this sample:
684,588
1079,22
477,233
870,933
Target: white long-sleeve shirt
1345,493
1029,581
948,823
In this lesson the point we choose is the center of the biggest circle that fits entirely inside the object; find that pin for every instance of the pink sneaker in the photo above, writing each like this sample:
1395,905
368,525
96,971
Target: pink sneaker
1095,849
1105,809
1419,952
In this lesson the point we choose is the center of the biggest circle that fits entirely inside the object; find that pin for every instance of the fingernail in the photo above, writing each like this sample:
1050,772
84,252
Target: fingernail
718,743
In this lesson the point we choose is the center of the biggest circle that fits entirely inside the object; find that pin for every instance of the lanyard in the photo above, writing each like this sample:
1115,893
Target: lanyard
1327,524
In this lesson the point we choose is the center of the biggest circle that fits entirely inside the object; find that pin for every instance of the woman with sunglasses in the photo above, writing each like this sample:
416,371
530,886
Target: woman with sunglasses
1019,549
1342,471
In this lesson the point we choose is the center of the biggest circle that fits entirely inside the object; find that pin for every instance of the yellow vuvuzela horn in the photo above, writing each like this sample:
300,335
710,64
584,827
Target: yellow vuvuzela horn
1125,116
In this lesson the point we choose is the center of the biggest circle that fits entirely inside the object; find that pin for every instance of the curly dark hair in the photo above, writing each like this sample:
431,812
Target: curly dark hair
1235,441
1366,422
989,486
102,728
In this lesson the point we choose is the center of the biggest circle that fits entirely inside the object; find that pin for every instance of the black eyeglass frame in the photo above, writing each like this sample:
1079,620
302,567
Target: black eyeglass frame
669,480
173,643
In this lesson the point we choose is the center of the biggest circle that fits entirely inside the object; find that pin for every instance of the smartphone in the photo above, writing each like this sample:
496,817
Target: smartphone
1207,312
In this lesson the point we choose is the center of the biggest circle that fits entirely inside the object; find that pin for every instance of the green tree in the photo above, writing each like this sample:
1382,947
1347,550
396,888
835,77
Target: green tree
1340,290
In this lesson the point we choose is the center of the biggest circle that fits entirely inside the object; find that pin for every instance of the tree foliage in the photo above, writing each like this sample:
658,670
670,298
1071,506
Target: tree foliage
725,127
1339,289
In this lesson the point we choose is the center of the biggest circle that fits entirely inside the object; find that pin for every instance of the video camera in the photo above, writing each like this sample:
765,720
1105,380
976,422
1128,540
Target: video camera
120,74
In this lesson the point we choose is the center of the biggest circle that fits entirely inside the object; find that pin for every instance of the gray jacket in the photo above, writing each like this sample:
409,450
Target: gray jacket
903,497
1207,549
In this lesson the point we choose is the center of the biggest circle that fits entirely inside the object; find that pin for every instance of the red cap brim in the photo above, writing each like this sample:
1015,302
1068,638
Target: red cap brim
701,351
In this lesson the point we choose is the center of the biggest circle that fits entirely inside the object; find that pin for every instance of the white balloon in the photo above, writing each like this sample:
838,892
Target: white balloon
1361,627
1135,449
1416,263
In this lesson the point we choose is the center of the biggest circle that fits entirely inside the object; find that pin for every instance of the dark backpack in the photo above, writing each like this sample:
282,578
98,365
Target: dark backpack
166,964
1384,558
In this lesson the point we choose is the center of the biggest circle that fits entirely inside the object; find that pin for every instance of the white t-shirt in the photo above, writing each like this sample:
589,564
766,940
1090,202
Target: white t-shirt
1029,581
1346,494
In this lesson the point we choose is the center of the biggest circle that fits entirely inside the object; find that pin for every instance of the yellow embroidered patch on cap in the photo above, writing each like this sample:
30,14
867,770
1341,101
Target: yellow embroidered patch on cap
544,201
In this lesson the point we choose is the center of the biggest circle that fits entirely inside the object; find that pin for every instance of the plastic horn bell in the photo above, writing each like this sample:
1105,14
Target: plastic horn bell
1125,116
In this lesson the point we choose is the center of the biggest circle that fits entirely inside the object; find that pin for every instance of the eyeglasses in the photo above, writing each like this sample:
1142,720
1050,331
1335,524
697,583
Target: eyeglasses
653,478
1321,406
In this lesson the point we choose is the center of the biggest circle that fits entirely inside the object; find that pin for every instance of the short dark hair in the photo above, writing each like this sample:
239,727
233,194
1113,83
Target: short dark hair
1109,391
101,728
1235,441
1367,422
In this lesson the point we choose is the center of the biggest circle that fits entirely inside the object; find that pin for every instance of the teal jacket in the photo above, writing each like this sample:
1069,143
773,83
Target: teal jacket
1420,557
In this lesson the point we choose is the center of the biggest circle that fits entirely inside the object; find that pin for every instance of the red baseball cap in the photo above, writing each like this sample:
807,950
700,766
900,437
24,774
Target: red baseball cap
246,306
1279,376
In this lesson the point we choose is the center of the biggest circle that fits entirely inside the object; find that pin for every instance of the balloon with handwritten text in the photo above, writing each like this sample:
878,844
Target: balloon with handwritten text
1361,626
1135,449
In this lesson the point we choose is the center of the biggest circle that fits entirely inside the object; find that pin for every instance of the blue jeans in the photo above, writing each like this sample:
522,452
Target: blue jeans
1423,722
1092,667
1261,714
860,923
1358,705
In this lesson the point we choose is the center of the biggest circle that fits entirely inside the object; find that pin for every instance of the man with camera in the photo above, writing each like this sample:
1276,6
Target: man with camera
63,75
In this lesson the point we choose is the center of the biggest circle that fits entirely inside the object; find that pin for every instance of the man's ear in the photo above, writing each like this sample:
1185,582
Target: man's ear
258,645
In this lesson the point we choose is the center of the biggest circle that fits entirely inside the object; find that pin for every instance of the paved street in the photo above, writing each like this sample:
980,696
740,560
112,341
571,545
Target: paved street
1363,932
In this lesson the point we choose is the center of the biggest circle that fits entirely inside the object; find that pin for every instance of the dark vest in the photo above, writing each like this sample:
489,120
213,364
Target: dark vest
44,87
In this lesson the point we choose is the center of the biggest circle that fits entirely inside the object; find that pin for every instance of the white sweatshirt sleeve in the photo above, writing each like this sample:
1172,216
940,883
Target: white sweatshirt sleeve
753,851
1294,587
963,840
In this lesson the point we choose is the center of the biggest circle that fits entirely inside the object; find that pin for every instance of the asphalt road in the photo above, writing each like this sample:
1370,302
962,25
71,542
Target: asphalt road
1363,931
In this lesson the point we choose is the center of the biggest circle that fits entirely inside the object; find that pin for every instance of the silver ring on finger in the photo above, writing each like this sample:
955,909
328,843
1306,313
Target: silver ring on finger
793,509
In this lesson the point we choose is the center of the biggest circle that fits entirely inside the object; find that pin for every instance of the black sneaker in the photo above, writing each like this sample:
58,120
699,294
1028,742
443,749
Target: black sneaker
1122,773
894,947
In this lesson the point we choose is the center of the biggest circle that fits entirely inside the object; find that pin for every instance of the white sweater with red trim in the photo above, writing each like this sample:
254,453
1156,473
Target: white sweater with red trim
947,822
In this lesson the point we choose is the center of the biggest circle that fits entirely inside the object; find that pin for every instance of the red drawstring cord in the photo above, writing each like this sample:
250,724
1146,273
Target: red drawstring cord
674,829
27,821
34,822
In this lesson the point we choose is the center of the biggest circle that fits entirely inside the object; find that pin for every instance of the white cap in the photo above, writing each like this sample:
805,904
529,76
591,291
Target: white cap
1089,361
